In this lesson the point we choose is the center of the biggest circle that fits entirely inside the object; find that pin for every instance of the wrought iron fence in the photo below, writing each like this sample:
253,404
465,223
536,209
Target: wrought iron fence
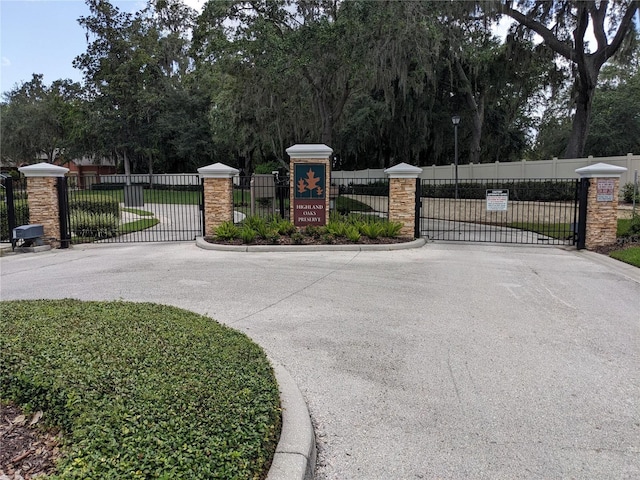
260,195
505,211
14,208
116,212
369,196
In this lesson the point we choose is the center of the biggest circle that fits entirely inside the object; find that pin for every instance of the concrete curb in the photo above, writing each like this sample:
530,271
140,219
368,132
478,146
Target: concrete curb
629,271
201,243
295,457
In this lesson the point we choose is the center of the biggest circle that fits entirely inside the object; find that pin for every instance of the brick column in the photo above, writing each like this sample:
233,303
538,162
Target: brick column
402,196
42,195
309,154
602,203
218,195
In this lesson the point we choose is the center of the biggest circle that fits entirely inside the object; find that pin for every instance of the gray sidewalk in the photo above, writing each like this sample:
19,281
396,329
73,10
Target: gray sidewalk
450,361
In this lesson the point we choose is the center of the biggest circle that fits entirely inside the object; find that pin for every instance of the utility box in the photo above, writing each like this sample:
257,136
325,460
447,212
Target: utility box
28,232
31,235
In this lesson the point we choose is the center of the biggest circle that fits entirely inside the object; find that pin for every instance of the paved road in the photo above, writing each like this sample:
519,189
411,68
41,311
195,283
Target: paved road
452,361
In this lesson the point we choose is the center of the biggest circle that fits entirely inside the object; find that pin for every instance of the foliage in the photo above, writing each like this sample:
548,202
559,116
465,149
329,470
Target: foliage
141,390
352,233
391,229
345,205
371,229
528,190
93,225
630,255
628,226
248,234
284,227
95,205
227,231
627,192
137,225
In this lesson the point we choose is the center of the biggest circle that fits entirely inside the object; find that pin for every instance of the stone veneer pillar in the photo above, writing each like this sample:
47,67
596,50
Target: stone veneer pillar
402,196
42,195
602,203
312,154
218,195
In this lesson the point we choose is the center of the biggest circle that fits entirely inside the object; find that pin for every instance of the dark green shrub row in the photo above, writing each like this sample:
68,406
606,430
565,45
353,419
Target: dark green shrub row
105,205
93,225
374,188
540,191
22,218
141,390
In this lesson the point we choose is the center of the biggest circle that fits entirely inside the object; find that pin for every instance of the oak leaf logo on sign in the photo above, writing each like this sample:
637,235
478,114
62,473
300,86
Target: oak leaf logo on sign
310,183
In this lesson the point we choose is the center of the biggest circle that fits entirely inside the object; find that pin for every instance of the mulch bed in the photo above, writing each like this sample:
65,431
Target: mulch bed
27,451
308,240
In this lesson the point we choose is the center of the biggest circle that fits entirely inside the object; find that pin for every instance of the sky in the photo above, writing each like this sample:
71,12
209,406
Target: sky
43,36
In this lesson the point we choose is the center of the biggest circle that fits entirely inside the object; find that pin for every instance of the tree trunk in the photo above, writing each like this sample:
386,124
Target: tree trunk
580,128
127,167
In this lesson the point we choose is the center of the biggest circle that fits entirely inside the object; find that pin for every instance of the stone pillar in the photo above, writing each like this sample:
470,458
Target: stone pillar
602,203
218,195
402,196
42,194
309,206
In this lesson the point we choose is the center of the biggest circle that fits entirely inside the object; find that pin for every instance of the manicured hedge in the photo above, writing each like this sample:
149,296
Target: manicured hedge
141,390
526,190
93,225
96,205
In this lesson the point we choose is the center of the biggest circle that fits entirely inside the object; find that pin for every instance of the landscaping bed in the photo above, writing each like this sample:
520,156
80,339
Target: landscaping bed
137,391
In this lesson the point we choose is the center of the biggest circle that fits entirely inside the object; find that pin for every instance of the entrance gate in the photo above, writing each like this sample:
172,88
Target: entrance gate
532,211
169,208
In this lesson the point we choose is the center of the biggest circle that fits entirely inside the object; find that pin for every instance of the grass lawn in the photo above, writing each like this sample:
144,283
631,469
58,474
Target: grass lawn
140,213
555,230
141,390
629,255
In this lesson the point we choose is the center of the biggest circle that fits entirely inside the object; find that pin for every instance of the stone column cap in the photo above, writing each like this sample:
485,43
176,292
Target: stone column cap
403,170
218,170
43,169
310,150
600,170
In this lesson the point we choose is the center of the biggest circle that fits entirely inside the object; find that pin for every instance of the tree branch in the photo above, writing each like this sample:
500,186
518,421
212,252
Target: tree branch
622,30
546,34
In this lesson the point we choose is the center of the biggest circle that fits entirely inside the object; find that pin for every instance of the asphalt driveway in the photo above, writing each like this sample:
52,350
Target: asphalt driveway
451,361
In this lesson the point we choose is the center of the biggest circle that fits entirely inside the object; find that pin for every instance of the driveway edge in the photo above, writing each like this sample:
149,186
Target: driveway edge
417,243
295,457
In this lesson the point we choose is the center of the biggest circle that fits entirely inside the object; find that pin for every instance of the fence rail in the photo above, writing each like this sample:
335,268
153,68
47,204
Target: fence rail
14,208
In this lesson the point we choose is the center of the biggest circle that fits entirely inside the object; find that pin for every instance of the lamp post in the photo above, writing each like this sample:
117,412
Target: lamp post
456,120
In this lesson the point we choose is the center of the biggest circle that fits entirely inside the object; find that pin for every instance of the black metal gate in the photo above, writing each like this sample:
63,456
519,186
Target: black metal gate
14,210
532,211
166,208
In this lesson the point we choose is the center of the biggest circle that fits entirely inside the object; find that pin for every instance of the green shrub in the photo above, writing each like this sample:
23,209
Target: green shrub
627,193
327,238
248,234
352,234
95,205
297,238
227,231
254,222
141,390
371,230
93,225
22,217
284,227
313,231
391,229
338,229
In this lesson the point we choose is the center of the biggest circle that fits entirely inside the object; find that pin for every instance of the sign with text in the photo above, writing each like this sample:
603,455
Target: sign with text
604,189
309,202
497,200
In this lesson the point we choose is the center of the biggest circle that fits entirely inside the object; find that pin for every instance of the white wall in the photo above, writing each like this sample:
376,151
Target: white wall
556,168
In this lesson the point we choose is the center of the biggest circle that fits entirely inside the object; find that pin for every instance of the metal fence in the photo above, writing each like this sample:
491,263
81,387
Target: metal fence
540,211
260,195
101,211
14,208
368,196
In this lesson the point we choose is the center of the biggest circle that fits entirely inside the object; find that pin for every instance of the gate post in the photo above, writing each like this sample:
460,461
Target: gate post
600,220
218,195
402,196
43,199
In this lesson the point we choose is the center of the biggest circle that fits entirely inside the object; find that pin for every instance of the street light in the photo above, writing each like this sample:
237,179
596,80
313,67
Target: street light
456,120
